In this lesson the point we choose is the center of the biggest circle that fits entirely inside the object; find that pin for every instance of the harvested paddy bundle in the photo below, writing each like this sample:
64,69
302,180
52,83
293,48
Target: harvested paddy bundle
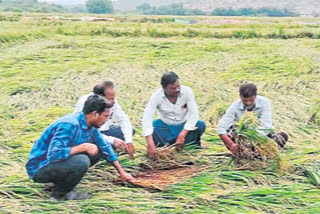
255,149
171,167
169,159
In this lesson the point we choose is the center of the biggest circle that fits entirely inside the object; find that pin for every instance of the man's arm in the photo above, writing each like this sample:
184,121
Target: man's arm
151,148
192,119
147,126
227,120
124,176
265,118
124,122
60,145
232,146
104,146
126,128
193,114
89,148
110,156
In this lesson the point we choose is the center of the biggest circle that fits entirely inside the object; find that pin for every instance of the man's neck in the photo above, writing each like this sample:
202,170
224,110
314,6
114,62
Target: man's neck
88,121
172,99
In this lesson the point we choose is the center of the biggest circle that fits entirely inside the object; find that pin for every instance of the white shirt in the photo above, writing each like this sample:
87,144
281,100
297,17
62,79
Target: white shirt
116,115
184,110
262,108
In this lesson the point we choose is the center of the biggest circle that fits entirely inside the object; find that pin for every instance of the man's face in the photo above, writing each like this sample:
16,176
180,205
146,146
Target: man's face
248,102
173,90
100,119
110,95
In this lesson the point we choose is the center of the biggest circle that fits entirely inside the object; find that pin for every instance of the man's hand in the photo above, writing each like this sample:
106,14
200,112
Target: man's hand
90,148
180,143
234,149
131,150
126,177
181,139
232,146
119,144
151,148
153,152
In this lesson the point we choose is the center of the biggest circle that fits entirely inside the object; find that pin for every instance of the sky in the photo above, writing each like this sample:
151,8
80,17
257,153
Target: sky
67,2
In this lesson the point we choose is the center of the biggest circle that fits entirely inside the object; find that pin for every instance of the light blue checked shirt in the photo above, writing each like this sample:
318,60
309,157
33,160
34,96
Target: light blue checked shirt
56,141
262,108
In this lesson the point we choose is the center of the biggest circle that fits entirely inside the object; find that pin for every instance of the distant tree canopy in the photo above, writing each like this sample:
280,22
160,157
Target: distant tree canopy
30,6
173,9
178,9
273,12
143,7
99,6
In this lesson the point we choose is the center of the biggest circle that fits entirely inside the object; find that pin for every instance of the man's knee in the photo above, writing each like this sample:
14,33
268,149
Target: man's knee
80,163
157,123
201,126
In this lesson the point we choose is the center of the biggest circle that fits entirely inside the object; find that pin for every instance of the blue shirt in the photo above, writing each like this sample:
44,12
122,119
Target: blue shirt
262,108
56,141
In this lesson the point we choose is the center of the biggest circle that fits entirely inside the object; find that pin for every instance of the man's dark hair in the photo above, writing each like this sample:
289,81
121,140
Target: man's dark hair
101,88
248,90
168,78
95,103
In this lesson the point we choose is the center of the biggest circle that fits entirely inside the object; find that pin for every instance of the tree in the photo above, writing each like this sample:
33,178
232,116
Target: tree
144,7
197,12
99,6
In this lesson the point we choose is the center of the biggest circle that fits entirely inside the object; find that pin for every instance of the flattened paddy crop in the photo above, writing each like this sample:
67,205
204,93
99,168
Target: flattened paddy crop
47,63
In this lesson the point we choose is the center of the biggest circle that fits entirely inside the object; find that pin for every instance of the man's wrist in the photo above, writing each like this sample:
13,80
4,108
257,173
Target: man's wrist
183,133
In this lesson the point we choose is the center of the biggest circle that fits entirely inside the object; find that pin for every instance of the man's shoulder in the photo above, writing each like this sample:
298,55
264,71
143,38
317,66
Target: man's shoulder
185,88
83,98
236,103
262,99
72,119
158,93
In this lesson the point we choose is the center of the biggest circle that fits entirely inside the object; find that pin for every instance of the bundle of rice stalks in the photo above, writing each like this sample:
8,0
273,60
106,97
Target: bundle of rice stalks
171,167
160,179
169,159
255,149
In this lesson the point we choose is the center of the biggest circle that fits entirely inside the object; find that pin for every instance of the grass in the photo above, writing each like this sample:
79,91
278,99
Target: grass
47,64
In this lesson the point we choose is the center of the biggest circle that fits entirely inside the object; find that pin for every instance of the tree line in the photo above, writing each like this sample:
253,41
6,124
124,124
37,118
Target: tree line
105,6
178,9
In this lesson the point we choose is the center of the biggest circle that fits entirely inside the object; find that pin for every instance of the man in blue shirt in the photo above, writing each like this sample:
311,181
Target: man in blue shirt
69,146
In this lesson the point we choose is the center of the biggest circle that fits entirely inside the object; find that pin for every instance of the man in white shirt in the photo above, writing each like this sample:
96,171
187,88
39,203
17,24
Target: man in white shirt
249,101
178,121
120,135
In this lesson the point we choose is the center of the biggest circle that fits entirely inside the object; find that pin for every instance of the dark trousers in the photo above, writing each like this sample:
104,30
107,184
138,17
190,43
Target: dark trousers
115,131
164,134
65,174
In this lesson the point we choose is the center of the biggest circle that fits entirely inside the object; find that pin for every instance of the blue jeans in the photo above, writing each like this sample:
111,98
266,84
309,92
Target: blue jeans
115,131
164,134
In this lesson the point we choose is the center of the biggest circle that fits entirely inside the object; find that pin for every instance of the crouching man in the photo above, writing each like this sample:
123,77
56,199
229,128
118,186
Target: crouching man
249,101
178,121
118,135
69,146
